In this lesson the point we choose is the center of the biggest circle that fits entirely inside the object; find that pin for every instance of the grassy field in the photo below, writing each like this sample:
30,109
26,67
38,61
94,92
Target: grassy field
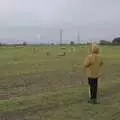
37,86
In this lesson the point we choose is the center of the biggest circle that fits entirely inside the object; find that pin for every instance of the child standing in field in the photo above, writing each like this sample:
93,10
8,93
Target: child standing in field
92,64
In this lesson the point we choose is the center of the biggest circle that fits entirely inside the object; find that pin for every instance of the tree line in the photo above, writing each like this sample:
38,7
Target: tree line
115,41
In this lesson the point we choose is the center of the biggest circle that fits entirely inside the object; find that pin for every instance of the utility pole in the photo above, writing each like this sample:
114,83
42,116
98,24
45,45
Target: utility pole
78,37
61,31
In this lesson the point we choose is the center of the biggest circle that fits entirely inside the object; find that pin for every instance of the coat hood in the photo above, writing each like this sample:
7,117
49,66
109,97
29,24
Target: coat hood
95,49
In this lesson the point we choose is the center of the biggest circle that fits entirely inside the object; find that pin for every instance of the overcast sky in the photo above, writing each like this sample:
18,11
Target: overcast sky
26,19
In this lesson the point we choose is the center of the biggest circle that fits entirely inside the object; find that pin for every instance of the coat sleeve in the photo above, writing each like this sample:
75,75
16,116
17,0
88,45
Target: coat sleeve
87,62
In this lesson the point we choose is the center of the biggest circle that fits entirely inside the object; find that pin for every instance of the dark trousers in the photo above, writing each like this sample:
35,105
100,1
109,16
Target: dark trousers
93,83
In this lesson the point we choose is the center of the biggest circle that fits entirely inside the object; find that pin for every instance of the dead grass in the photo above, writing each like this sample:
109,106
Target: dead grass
28,76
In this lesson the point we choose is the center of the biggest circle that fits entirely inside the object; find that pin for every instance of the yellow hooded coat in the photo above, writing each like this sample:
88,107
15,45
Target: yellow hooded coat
93,62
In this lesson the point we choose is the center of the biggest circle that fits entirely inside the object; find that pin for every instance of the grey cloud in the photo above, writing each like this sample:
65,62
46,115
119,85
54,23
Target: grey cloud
95,19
